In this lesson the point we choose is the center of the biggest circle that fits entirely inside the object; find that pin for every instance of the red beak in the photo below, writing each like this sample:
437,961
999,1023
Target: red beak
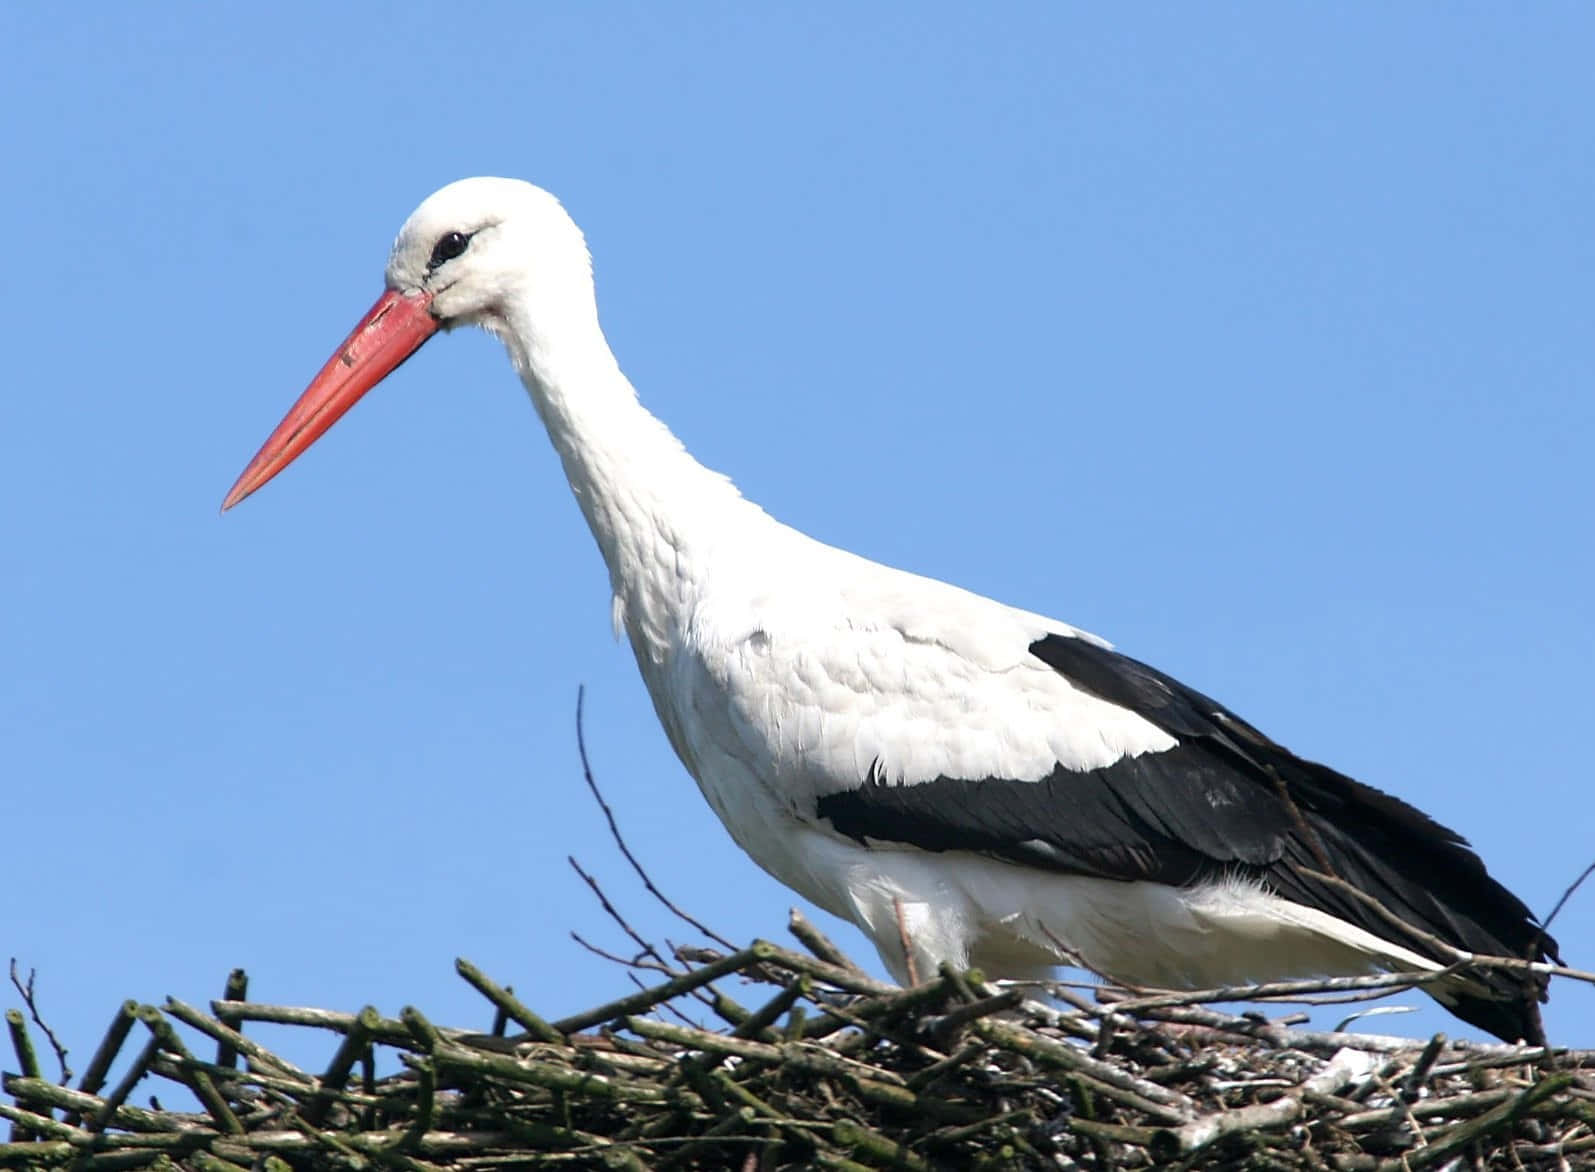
394,329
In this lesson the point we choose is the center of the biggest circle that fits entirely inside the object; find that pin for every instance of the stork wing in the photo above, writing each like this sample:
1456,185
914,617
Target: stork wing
1224,800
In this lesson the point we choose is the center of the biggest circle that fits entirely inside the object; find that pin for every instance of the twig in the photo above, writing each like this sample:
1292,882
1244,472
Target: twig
620,841
30,1001
1346,1066
1545,924
647,949
648,998
507,1003
236,989
354,1045
198,1081
1412,1084
1458,1138
388,1030
123,1089
110,1046
230,1042
639,961
817,941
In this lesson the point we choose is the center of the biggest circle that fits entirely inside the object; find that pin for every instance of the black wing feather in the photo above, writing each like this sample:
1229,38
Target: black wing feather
1225,800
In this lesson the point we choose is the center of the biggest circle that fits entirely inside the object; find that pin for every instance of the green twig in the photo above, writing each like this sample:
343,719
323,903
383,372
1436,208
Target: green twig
507,1003
110,1046
198,1081
653,995
354,1046
236,989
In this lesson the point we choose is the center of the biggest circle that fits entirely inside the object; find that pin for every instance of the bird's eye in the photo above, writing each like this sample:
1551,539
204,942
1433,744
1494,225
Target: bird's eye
447,248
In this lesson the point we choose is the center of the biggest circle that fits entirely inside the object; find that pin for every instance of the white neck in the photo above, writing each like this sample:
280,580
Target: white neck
657,514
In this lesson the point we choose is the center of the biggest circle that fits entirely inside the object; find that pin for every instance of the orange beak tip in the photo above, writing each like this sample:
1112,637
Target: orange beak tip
394,328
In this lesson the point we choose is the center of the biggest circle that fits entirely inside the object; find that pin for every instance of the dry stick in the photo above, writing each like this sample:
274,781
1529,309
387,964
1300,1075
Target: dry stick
756,1024
949,1025
197,1080
921,1079
388,1031
705,1041
230,1042
1164,1105
425,1103
730,1010
1457,1139
873,1083
722,1130
962,983
22,1044
614,913
1497,1053
326,1140
614,830
77,1104
1412,1084
876,1017
29,1061
423,1031
1170,1143
355,1043
862,1140
669,1006
236,989
818,942
30,1001
123,1089
507,1003
1389,982
639,961
836,1163
204,1161
850,980
39,1154
1545,924
1413,932
648,998
1456,1106
1461,957
547,1075
110,1046
1309,835
31,1123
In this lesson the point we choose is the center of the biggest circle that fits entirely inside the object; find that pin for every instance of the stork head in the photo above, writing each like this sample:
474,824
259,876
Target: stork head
484,252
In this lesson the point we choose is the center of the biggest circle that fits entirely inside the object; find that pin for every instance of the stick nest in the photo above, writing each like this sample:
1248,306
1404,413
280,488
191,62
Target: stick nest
769,1058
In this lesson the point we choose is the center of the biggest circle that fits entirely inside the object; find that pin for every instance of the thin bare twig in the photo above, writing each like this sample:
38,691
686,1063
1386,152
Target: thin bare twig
620,841
647,948
640,961
29,999
1567,895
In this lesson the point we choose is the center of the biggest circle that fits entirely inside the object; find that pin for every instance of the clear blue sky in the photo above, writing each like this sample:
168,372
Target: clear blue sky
1257,340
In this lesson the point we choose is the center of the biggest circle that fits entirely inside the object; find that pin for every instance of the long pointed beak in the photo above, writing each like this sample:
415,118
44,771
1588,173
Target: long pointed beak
393,330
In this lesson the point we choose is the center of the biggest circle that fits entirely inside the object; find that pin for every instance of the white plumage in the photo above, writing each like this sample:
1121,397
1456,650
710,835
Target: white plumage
965,781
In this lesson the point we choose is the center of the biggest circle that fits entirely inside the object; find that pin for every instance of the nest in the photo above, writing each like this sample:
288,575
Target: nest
770,1058
766,1058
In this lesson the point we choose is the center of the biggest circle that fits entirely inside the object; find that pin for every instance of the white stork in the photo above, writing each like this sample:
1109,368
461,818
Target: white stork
965,781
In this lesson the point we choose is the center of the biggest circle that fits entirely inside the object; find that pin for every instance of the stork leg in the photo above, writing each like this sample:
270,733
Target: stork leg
908,948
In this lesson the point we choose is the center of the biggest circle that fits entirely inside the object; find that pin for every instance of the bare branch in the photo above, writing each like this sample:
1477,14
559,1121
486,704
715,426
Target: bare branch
620,841
1568,894
26,991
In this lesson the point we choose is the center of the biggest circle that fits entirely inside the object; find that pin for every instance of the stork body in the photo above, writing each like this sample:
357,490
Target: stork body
965,781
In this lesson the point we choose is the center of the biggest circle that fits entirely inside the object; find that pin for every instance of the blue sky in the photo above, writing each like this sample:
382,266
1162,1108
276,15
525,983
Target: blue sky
1254,339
